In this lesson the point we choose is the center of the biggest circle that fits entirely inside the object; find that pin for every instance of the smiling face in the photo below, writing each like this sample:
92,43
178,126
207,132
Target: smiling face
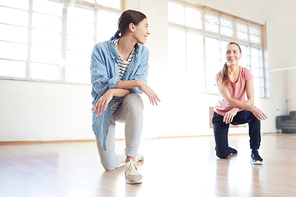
141,31
233,55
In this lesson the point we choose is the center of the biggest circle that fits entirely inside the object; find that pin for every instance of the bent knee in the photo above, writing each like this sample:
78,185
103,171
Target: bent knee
133,100
107,166
222,156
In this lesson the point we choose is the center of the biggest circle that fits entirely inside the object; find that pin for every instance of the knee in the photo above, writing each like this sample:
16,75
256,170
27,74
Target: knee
134,101
107,166
253,118
222,156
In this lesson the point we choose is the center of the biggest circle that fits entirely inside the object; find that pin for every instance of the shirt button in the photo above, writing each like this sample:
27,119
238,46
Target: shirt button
111,107
108,121
105,134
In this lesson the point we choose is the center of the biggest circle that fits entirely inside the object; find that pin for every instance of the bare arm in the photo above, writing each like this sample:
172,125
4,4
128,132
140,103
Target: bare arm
106,98
248,105
250,94
153,98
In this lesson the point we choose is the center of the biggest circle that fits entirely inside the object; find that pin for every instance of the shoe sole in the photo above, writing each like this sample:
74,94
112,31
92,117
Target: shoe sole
256,162
134,183
232,154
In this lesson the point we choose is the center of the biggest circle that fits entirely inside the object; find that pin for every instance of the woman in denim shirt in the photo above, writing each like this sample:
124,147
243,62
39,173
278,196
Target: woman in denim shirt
233,83
119,69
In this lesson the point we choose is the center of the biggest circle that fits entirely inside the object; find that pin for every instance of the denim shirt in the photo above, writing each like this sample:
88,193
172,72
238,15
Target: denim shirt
105,75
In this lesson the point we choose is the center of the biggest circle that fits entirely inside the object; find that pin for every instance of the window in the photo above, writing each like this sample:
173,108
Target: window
226,27
204,53
186,56
13,38
80,41
53,42
212,22
46,40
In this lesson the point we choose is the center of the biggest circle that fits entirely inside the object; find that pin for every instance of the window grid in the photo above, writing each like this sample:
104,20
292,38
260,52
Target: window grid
29,64
247,42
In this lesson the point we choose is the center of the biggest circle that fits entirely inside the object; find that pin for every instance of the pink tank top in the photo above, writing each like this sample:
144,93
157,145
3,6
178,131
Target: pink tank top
237,90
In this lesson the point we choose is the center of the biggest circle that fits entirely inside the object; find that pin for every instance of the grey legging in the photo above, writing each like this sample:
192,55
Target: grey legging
130,113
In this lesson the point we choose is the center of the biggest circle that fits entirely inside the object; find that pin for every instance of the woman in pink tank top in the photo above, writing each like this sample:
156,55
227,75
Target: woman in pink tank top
234,84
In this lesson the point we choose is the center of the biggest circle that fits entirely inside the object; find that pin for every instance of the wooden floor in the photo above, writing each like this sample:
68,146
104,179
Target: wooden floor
172,167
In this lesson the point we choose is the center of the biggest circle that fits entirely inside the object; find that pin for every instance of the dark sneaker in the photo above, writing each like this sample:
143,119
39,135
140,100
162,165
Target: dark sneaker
232,151
255,158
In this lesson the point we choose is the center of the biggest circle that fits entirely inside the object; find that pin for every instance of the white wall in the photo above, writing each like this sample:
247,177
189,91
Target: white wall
47,111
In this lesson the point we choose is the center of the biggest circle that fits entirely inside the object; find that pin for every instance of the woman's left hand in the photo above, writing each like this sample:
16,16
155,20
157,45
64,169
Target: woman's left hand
103,102
228,118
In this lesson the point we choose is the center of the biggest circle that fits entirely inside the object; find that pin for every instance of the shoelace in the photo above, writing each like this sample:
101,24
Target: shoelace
131,165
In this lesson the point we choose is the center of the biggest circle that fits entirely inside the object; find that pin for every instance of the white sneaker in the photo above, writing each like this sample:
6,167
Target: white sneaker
132,175
140,157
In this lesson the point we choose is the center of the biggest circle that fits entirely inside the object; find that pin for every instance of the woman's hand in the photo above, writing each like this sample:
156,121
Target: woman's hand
103,102
258,113
228,118
153,98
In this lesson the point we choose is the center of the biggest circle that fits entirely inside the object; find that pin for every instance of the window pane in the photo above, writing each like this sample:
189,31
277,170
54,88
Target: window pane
226,22
13,34
195,62
211,23
256,52
47,7
212,27
254,31
45,22
211,18
255,39
242,35
110,3
45,71
107,25
257,72
45,55
52,39
226,31
12,68
226,27
242,27
13,51
77,74
80,28
193,18
259,92
22,4
13,16
176,13
75,58
213,63
245,60
80,43
194,49
80,14
177,49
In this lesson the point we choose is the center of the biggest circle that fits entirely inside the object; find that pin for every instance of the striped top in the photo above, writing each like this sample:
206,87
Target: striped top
122,66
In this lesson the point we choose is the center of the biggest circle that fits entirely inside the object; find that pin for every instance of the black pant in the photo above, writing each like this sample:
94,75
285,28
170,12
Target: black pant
221,131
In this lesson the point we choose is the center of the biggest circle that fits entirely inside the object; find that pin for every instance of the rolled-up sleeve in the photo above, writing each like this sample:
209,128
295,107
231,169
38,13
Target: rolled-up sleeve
101,78
142,71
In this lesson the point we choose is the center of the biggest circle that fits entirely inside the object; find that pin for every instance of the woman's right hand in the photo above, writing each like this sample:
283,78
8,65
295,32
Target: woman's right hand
258,113
153,98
